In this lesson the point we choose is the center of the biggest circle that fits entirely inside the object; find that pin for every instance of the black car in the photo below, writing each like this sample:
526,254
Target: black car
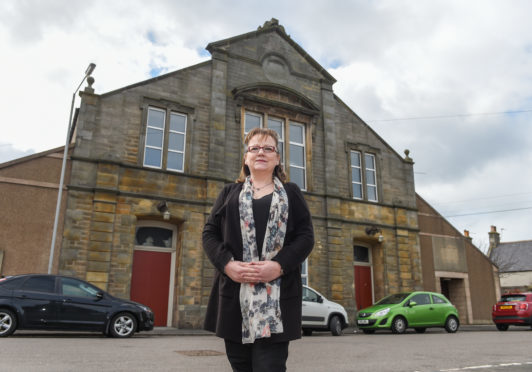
54,302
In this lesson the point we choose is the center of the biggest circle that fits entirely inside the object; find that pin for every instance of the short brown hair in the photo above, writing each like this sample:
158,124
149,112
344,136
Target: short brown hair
278,171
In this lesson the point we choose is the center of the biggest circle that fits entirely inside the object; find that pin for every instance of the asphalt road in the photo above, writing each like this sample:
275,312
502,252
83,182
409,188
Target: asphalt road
479,350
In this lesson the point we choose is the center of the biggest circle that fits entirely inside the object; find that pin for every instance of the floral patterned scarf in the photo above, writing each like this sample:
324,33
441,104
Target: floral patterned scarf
259,302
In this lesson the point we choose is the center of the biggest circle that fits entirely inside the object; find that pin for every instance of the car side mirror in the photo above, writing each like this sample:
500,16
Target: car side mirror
320,299
412,303
99,295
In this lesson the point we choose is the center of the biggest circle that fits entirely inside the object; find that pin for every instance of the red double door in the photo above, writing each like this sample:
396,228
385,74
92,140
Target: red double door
150,282
363,286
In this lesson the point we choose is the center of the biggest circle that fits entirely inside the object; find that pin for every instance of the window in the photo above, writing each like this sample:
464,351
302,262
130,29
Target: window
45,284
151,236
356,175
438,300
421,299
363,184
165,140
297,154
77,288
361,254
309,295
293,157
371,177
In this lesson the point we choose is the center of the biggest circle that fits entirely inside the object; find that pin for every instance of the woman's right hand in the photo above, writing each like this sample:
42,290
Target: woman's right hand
240,272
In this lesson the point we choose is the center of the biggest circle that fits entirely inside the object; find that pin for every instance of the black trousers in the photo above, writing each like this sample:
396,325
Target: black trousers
257,357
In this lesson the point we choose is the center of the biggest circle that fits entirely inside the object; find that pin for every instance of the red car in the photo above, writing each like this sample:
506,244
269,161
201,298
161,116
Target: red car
513,309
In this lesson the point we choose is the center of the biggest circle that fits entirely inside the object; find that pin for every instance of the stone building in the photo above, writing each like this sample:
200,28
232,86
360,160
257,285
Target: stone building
149,159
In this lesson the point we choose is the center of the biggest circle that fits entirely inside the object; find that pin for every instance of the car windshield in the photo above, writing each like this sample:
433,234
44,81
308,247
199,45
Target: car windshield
393,299
513,298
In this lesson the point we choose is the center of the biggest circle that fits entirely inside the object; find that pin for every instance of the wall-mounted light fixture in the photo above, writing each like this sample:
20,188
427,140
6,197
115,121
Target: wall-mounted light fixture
162,207
373,230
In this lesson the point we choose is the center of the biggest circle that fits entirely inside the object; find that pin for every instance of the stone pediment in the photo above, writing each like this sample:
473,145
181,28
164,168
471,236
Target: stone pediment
276,95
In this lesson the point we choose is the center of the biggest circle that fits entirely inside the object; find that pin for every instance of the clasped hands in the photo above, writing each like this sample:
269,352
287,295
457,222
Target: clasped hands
253,272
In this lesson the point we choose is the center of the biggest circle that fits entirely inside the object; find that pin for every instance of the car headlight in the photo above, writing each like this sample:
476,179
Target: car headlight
382,312
145,308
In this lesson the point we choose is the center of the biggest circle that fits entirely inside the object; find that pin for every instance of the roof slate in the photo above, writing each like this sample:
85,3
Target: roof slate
513,256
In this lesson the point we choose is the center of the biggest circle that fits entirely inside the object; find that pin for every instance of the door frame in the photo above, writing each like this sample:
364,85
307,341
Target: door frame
172,250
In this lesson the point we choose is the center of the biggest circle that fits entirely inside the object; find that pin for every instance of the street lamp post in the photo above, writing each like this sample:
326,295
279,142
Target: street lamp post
88,72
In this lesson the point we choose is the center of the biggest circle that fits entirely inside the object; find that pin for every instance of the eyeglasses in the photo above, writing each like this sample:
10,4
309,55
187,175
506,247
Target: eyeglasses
265,149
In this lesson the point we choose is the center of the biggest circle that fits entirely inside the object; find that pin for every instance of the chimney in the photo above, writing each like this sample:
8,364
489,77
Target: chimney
495,239
466,234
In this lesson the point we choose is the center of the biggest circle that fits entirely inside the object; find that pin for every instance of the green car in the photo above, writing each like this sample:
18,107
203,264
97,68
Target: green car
418,310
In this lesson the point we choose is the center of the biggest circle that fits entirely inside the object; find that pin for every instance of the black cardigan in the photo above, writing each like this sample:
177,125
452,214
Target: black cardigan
222,240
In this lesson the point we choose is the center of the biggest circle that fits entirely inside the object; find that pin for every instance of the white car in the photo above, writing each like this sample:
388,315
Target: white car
320,314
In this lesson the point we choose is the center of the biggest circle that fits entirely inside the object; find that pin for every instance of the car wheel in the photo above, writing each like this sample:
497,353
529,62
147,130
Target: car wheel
123,325
307,332
8,322
368,331
399,325
502,327
336,326
420,330
451,324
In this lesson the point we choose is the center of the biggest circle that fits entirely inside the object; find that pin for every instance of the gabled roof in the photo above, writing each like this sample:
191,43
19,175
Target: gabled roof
513,256
272,26
32,156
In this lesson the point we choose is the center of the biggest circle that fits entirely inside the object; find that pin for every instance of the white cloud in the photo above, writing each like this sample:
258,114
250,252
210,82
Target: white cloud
392,60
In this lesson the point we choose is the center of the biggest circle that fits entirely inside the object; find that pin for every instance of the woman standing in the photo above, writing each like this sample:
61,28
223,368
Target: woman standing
257,236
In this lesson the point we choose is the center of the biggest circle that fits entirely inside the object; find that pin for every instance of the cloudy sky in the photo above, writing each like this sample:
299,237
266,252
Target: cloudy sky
449,80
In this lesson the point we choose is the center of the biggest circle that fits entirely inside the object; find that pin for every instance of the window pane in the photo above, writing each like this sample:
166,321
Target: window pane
357,191
372,193
355,159
252,121
276,125
156,118
72,287
361,254
297,155
153,237
370,177
152,157
370,161
178,123
40,284
355,175
176,141
281,152
297,176
154,137
296,133
175,160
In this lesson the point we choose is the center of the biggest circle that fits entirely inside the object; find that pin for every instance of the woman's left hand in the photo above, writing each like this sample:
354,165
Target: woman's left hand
267,271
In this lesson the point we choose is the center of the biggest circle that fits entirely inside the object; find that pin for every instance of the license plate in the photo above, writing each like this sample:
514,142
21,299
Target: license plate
363,321
506,307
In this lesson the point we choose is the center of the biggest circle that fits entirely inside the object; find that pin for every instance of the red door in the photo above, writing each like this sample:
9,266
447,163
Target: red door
150,282
363,295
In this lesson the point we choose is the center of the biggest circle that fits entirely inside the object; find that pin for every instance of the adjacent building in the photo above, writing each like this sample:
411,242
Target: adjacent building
514,261
149,159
